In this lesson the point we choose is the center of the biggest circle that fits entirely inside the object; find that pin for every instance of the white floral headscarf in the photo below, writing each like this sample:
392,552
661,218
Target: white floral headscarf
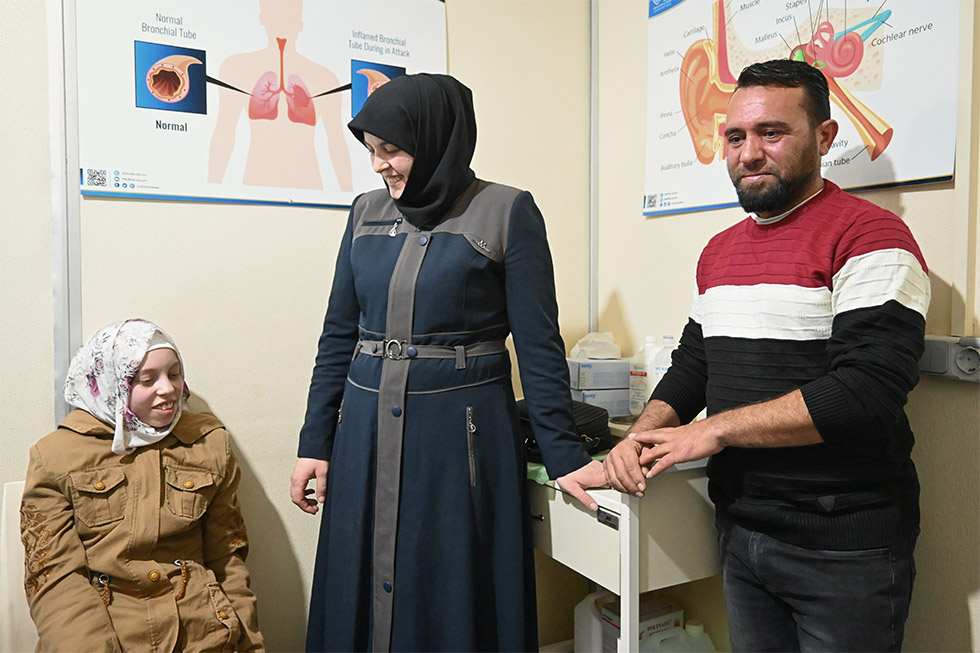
101,375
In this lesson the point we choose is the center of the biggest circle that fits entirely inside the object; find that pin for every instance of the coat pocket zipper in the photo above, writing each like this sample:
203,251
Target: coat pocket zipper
384,223
470,433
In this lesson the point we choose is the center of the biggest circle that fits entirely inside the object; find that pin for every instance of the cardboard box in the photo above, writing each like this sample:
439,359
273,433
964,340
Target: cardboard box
656,615
616,402
599,373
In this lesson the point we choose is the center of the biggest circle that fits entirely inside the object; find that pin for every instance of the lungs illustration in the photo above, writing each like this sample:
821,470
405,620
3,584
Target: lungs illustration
264,103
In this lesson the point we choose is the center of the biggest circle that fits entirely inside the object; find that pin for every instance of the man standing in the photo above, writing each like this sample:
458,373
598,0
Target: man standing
803,344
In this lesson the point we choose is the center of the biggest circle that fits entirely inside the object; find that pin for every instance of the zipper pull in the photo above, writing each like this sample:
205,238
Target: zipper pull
470,426
394,228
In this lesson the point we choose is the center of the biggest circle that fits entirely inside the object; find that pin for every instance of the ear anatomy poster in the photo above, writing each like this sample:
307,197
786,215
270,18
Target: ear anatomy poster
240,100
890,65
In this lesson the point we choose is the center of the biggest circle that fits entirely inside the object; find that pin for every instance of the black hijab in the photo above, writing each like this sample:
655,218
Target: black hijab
430,117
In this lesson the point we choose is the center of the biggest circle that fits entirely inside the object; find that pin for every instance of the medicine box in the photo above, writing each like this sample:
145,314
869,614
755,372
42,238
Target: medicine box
616,401
656,615
599,373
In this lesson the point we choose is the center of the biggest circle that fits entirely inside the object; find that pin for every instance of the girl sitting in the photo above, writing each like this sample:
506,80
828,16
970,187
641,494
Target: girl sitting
132,531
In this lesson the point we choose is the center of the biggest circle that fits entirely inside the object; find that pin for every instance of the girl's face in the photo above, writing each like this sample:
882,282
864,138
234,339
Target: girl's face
391,162
157,387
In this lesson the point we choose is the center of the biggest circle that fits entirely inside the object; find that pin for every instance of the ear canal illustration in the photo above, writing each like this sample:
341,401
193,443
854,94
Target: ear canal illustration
704,99
376,79
167,79
707,82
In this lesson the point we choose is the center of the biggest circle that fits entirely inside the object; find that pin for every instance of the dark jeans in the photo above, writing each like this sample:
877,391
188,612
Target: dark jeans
782,597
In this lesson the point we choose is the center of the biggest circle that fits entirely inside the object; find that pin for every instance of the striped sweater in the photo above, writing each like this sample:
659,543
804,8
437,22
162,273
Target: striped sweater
830,300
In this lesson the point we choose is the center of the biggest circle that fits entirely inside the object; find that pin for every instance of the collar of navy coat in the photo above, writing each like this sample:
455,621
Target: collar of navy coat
481,215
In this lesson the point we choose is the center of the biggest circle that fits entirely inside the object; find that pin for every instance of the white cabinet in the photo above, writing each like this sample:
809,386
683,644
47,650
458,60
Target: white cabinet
633,545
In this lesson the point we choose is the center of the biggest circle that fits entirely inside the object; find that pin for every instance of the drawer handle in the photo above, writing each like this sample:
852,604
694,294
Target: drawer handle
609,519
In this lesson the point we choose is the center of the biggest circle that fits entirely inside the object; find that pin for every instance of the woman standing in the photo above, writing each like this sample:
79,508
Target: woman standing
425,541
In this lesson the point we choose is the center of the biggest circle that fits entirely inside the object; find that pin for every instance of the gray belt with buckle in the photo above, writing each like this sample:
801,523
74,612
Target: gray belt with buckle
400,349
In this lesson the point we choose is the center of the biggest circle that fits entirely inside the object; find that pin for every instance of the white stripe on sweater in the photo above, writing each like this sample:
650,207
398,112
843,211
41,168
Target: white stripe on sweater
790,312
876,277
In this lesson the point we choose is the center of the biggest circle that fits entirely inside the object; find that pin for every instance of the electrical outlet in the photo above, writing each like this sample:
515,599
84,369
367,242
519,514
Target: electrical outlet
951,357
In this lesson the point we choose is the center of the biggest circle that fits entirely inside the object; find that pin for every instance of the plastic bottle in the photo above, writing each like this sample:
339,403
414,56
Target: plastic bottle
661,361
588,622
692,638
641,368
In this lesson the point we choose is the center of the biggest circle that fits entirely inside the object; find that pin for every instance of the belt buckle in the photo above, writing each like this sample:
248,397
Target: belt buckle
393,349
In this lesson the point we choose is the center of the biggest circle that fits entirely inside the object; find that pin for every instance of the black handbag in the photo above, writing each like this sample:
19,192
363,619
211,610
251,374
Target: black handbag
591,423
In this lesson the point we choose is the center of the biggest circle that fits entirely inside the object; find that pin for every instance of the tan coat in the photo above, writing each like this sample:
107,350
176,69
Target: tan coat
87,513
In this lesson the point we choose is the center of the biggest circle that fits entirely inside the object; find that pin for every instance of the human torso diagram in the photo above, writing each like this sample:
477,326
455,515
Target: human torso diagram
283,96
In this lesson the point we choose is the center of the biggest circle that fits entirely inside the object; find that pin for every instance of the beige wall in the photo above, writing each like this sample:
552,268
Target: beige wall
646,272
26,313
242,288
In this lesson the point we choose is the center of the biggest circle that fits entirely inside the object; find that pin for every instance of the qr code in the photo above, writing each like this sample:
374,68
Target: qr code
94,177
649,201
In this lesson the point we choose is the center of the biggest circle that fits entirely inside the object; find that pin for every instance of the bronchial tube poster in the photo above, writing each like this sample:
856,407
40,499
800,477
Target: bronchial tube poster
239,100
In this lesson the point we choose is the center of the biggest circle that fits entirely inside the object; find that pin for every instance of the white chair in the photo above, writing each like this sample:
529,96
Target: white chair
17,632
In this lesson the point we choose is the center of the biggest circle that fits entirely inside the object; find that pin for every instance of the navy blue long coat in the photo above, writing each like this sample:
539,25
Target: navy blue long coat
425,541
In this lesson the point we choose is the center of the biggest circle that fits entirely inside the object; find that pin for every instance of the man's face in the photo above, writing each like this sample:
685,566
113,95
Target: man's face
773,150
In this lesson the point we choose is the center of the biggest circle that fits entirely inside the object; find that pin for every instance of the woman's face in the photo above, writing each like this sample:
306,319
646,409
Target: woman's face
157,387
391,162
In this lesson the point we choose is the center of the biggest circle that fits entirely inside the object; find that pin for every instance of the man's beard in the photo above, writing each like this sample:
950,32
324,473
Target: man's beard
781,195
768,200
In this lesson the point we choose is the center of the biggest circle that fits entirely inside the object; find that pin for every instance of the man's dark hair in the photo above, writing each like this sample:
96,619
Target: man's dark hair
792,74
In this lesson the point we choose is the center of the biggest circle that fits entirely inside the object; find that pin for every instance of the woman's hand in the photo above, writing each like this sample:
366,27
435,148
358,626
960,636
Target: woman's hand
587,476
306,470
624,470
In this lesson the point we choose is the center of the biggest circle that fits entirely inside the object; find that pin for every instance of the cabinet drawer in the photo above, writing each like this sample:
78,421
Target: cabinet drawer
573,536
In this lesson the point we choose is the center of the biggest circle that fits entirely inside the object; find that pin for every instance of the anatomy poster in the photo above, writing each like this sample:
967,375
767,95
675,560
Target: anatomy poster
240,100
890,65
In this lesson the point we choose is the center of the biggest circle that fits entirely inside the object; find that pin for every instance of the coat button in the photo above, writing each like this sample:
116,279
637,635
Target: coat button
412,352
374,348
99,485
154,575
423,240
188,484
396,411
222,614
387,587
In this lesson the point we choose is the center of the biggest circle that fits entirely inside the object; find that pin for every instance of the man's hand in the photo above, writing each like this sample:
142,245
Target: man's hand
664,448
781,422
623,468
306,470
576,483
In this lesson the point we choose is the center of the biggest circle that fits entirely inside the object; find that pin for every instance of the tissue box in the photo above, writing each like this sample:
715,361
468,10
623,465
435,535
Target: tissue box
656,615
599,373
615,401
